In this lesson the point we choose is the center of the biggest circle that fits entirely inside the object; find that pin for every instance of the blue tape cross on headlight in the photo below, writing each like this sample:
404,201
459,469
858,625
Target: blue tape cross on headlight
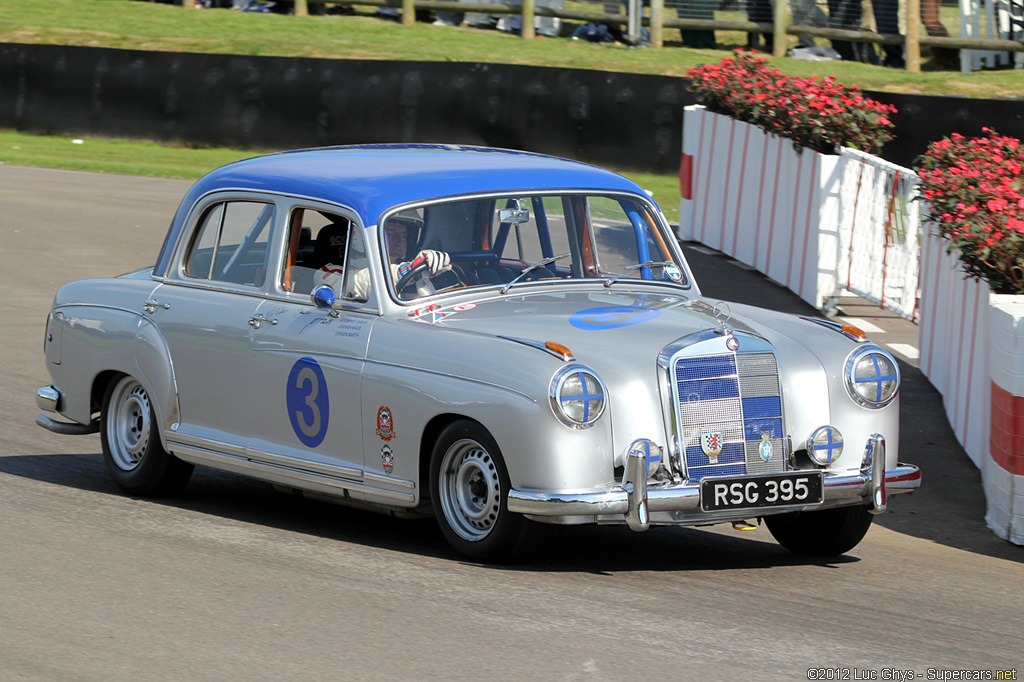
612,317
586,397
878,379
830,447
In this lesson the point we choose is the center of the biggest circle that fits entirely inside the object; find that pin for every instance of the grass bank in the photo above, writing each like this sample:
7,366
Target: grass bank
156,26
133,157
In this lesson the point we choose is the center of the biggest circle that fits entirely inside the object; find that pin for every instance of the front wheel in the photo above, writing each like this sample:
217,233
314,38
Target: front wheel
829,532
469,487
132,450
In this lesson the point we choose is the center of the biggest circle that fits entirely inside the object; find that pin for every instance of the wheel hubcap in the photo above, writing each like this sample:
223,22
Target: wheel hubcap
470,490
128,426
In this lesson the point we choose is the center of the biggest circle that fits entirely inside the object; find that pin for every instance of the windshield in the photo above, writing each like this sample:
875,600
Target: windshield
509,241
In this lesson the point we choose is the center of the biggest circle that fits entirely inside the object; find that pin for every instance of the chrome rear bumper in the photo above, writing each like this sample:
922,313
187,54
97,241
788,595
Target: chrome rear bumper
636,500
48,398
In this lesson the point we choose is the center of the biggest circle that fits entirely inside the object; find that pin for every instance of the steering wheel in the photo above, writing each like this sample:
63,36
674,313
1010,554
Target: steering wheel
417,275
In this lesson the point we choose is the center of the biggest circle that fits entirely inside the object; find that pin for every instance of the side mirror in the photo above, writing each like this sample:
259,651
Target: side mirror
323,296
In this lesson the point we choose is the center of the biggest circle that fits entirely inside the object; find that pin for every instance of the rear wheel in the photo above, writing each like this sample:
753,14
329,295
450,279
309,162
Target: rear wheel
829,532
132,450
469,487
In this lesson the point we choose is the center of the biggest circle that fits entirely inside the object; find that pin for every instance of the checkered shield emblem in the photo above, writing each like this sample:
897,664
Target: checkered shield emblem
711,444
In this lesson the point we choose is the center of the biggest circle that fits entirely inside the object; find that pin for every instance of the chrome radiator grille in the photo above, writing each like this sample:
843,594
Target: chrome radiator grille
733,403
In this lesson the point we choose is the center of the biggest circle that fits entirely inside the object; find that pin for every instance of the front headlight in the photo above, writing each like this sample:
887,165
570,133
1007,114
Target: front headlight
578,397
872,376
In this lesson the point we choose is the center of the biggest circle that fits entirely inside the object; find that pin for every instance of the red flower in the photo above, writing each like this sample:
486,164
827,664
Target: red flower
819,113
974,190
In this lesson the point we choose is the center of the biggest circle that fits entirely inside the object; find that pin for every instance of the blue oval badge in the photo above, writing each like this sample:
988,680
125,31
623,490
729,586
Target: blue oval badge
309,406
612,317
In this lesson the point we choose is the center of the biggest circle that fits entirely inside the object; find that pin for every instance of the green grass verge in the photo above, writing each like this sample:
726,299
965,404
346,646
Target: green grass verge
156,26
129,157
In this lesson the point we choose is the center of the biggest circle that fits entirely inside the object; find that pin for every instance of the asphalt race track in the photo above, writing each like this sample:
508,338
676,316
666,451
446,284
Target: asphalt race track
235,581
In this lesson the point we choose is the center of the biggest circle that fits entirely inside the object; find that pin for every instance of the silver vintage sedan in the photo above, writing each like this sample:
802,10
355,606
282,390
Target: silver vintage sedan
499,338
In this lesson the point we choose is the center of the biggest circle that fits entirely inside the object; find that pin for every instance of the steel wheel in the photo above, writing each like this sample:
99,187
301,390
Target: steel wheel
128,426
132,449
470,490
468,487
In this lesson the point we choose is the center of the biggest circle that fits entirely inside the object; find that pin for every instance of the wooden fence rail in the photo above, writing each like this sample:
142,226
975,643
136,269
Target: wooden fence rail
657,22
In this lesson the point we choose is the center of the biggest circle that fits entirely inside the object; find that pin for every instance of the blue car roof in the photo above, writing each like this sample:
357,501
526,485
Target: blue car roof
373,178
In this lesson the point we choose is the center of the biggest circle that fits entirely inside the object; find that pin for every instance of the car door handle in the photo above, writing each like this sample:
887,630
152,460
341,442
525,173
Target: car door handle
256,320
152,304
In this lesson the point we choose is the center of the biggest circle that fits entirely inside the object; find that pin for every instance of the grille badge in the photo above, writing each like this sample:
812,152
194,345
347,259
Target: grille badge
765,449
711,444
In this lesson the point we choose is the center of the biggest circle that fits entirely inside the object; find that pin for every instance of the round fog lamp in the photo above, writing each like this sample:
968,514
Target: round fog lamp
825,445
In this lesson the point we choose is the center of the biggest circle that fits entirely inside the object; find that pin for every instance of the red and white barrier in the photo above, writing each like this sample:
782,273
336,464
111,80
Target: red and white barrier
1003,469
816,223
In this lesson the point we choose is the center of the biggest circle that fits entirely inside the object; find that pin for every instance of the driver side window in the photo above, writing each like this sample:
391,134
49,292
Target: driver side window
325,248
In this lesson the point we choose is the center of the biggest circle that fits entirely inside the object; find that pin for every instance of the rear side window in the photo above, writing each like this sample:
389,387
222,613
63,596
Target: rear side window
231,243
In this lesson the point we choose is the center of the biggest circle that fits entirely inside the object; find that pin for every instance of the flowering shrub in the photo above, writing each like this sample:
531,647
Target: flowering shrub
819,113
974,186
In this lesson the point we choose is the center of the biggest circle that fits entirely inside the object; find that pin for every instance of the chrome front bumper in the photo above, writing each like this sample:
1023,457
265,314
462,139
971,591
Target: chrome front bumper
636,500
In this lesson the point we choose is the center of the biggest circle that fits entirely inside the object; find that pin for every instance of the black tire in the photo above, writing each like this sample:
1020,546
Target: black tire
469,487
132,450
829,532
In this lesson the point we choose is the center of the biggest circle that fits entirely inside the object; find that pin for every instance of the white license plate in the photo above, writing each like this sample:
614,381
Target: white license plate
754,492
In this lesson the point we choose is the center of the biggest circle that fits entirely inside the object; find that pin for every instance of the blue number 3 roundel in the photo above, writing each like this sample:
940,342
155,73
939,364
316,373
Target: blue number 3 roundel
309,407
612,317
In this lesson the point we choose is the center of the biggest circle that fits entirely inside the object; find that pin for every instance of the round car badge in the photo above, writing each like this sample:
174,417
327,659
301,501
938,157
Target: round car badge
612,317
385,424
765,449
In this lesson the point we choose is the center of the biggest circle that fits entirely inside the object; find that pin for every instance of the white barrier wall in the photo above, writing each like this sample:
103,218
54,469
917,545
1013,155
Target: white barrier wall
879,232
816,223
972,350
1003,469
953,330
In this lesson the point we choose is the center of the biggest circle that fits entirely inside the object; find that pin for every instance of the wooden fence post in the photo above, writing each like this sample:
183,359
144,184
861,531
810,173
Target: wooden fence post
657,17
301,9
912,45
779,21
408,12
529,12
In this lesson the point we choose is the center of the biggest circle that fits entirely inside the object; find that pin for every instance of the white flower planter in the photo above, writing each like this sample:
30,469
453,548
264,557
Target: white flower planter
751,195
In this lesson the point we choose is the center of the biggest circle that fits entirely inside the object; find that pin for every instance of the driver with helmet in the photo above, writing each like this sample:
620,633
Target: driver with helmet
330,251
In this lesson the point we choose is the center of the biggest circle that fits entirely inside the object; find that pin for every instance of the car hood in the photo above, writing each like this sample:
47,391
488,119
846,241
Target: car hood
594,325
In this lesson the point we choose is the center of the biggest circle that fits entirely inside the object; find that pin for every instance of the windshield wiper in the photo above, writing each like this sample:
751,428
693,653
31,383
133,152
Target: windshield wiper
649,264
536,266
